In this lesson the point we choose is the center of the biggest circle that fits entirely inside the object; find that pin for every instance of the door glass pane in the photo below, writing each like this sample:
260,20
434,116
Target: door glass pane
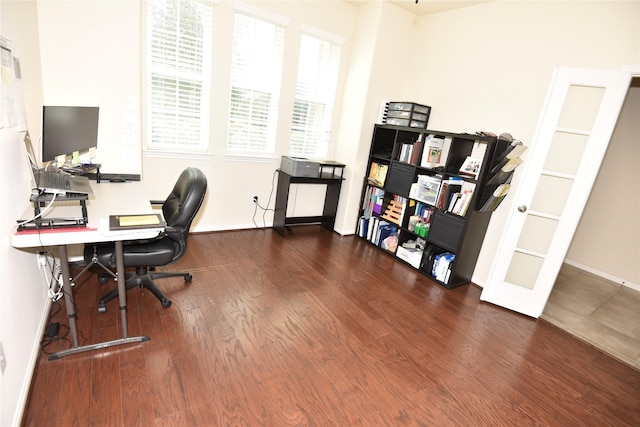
551,195
581,107
523,270
565,153
537,233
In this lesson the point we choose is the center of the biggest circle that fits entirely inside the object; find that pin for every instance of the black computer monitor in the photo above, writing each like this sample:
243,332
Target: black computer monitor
67,130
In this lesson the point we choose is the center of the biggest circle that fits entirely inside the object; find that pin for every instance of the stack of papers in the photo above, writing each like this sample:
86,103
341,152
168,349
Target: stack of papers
122,222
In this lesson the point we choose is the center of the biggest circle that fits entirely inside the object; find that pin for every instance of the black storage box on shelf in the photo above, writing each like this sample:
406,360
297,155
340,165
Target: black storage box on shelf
446,230
399,179
408,114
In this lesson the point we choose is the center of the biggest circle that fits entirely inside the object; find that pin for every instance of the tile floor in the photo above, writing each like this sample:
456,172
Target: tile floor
598,311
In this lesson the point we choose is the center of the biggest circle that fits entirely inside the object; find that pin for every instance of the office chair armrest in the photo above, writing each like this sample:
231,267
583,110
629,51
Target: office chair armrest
169,229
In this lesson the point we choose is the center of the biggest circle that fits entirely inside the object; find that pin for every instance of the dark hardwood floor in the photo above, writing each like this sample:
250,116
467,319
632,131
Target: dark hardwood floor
322,330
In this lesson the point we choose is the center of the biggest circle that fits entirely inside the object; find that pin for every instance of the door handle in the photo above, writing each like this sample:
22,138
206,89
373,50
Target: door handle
522,208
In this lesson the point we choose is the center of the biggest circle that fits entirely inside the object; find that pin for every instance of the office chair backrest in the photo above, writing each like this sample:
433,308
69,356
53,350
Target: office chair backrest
182,205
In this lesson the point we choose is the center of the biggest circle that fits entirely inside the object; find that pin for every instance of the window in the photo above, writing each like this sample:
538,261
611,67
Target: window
178,73
315,93
256,72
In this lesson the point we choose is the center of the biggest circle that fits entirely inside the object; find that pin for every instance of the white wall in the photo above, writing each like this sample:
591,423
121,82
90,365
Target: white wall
23,297
488,67
90,53
381,54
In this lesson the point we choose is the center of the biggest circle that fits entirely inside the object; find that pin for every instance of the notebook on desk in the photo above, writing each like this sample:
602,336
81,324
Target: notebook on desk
54,182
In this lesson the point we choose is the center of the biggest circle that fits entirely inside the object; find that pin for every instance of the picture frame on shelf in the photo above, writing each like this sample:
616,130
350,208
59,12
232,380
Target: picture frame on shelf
471,167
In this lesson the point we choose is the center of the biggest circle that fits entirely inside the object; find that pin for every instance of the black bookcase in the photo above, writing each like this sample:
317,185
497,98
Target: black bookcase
422,195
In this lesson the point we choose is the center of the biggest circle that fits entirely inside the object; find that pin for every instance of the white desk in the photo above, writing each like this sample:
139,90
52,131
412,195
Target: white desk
108,199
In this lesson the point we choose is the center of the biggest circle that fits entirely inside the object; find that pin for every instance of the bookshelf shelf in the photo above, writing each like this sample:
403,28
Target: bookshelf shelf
423,196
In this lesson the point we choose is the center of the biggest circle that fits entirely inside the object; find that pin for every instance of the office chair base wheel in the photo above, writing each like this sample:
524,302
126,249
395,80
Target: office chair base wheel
103,278
165,303
188,278
102,308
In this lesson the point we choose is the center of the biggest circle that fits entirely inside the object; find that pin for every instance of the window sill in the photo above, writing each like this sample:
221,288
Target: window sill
252,158
176,155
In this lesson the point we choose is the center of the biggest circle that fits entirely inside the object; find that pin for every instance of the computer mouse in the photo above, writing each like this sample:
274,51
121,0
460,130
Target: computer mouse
117,180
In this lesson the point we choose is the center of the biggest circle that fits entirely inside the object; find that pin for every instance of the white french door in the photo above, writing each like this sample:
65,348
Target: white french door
579,116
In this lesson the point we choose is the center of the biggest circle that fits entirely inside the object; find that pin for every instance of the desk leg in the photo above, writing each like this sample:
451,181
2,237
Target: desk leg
122,291
71,307
68,293
282,198
331,205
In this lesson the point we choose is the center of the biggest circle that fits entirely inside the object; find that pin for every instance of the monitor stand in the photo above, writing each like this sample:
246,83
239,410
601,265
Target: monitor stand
40,223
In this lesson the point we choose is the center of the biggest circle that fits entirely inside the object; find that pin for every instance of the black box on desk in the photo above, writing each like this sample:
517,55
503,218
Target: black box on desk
299,167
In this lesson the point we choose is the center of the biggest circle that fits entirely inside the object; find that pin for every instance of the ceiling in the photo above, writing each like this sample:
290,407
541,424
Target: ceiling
427,7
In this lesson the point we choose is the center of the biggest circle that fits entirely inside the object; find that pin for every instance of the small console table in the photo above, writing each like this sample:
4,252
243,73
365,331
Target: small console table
331,174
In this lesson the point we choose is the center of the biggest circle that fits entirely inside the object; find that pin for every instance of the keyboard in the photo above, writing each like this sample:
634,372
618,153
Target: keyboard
54,180
114,176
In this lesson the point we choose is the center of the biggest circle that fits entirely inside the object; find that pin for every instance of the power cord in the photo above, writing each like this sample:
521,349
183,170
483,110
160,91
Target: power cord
265,209
55,336
42,212
52,275
53,332
58,332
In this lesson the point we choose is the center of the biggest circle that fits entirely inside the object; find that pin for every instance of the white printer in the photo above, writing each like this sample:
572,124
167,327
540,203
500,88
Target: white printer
299,167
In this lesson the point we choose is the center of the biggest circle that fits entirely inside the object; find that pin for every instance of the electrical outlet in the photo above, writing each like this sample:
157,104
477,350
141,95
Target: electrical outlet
42,259
3,361
254,199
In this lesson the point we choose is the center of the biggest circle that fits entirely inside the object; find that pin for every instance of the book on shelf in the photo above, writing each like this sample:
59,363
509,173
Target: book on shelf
363,224
378,174
387,236
461,200
378,198
425,212
382,233
409,152
405,152
447,189
372,201
417,147
372,228
441,199
463,203
436,151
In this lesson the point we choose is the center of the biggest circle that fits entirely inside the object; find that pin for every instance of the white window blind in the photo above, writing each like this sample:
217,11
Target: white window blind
256,73
315,94
178,74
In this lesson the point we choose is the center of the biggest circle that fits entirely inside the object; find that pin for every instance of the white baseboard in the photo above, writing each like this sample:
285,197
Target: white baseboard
261,226
623,282
604,275
33,359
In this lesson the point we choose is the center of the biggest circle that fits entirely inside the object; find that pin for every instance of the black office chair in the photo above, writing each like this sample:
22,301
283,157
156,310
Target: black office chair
178,210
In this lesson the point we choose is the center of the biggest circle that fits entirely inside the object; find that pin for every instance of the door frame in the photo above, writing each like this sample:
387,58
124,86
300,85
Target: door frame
498,290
